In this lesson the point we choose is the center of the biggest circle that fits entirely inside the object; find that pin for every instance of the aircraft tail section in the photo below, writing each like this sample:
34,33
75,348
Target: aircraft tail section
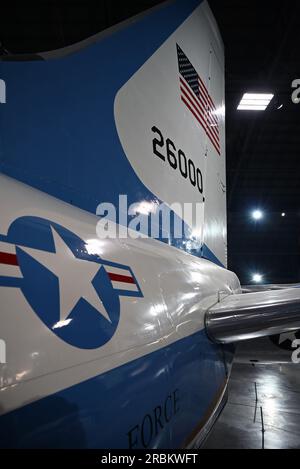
137,111
170,118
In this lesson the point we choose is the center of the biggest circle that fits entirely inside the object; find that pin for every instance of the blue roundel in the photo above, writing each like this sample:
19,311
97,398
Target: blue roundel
93,318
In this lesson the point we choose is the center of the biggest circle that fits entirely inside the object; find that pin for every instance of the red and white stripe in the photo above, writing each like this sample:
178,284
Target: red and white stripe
9,265
203,110
121,279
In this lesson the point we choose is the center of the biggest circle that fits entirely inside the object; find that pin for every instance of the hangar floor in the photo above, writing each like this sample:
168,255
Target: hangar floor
276,409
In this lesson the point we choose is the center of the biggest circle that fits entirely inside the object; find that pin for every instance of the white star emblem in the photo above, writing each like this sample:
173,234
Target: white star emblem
287,336
75,276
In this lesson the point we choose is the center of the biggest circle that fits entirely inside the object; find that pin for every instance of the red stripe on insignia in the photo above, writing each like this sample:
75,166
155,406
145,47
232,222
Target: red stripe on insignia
8,259
121,278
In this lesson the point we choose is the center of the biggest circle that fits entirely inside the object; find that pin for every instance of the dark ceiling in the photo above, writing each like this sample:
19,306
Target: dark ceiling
263,148
262,54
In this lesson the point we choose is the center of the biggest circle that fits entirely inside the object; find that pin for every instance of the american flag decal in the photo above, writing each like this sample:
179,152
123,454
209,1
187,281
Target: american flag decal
197,99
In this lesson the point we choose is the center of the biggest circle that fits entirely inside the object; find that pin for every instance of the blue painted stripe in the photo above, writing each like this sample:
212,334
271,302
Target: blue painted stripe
10,282
156,400
210,256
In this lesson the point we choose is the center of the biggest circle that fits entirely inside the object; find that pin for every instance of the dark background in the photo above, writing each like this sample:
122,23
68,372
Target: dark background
262,41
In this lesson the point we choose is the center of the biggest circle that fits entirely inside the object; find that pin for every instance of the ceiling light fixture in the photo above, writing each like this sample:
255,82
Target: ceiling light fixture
257,215
255,101
257,278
